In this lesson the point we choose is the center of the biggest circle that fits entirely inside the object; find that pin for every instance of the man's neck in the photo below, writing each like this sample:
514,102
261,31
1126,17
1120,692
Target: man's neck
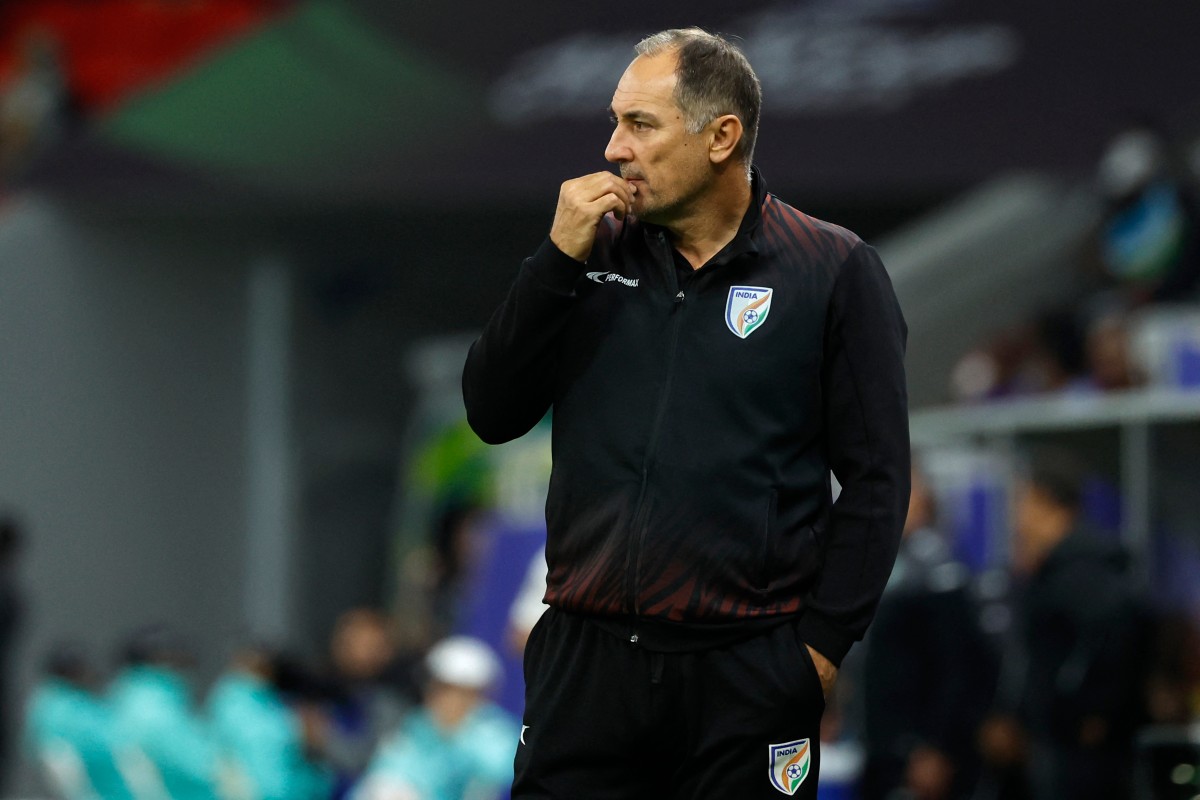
713,222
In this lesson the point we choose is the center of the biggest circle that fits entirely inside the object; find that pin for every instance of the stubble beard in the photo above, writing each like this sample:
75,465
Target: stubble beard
665,210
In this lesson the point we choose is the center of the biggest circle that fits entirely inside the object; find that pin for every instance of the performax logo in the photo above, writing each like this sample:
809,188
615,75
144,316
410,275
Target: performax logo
609,277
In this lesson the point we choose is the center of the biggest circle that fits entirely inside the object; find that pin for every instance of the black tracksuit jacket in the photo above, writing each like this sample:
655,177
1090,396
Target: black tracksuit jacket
696,423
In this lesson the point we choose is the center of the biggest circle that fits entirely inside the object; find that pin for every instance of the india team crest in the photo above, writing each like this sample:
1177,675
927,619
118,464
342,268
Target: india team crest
747,308
790,763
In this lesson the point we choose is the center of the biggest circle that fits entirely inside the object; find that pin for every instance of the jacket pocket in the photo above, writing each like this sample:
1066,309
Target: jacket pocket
766,554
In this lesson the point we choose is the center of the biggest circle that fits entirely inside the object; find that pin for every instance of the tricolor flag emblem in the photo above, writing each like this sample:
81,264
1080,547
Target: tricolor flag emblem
747,308
790,764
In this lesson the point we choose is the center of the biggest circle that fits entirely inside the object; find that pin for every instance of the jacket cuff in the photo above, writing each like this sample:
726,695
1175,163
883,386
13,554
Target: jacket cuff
554,269
824,636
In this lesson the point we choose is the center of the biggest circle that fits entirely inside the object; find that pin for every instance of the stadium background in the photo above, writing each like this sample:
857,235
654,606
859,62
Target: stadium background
240,260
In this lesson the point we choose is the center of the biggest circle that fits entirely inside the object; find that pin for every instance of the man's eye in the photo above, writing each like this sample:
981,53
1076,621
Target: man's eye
641,126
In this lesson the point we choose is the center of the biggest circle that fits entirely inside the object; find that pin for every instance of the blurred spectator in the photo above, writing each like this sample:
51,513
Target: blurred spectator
1059,351
264,743
925,670
1070,693
1110,362
527,607
458,745
1146,250
375,685
34,104
163,748
1149,239
1173,685
1062,350
996,369
456,553
435,574
70,732
451,474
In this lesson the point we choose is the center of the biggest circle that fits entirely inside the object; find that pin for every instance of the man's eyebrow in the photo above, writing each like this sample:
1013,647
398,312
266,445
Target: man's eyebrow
633,114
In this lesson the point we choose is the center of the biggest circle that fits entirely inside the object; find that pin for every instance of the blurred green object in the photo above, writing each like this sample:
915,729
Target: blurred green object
454,467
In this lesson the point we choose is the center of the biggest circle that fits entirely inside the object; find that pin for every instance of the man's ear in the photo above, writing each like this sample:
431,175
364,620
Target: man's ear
725,134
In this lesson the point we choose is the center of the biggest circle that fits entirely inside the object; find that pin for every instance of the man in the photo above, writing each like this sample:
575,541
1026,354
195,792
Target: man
924,670
70,730
161,745
263,740
711,355
12,540
458,744
374,687
1070,691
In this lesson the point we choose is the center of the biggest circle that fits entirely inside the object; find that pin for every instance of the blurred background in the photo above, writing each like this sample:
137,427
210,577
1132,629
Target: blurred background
244,245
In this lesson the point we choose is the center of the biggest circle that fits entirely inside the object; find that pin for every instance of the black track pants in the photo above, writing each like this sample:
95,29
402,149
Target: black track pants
607,719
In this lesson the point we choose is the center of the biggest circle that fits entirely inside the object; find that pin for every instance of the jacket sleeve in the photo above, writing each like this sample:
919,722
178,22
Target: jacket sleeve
508,380
866,430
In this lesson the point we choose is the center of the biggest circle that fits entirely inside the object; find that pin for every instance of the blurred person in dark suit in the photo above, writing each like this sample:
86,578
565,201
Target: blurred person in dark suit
925,670
374,685
11,612
36,105
1071,691
1173,684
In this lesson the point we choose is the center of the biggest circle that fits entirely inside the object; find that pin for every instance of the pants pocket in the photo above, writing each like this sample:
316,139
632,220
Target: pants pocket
810,667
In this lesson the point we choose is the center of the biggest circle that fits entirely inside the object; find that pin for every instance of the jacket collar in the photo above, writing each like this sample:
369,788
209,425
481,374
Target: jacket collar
745,241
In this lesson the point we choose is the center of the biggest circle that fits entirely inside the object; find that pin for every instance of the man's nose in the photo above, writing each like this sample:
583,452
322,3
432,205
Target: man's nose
617,151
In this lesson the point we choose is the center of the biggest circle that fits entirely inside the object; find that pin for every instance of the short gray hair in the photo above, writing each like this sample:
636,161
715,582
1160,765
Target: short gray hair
713,78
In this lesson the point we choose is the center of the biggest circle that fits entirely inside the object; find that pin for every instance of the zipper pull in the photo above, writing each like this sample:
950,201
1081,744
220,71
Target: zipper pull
679,297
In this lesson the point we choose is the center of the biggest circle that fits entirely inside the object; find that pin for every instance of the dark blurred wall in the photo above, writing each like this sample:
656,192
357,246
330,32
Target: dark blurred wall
121,428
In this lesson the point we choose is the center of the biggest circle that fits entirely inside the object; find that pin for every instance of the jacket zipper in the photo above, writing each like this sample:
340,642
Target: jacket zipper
639,525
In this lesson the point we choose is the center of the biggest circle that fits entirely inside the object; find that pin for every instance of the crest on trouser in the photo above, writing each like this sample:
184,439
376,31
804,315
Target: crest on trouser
790,765
746,309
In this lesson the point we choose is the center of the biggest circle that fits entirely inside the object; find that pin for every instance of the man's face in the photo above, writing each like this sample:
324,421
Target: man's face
361,645
669,166
1039,524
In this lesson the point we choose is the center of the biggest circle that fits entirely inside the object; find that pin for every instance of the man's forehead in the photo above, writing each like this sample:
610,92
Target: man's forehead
649,80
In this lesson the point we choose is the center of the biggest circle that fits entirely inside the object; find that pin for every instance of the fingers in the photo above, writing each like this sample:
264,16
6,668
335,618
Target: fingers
614,203
612,192
582,203
826,671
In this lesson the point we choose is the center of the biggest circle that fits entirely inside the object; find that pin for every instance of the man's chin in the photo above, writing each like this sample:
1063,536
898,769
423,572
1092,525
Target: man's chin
648,212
